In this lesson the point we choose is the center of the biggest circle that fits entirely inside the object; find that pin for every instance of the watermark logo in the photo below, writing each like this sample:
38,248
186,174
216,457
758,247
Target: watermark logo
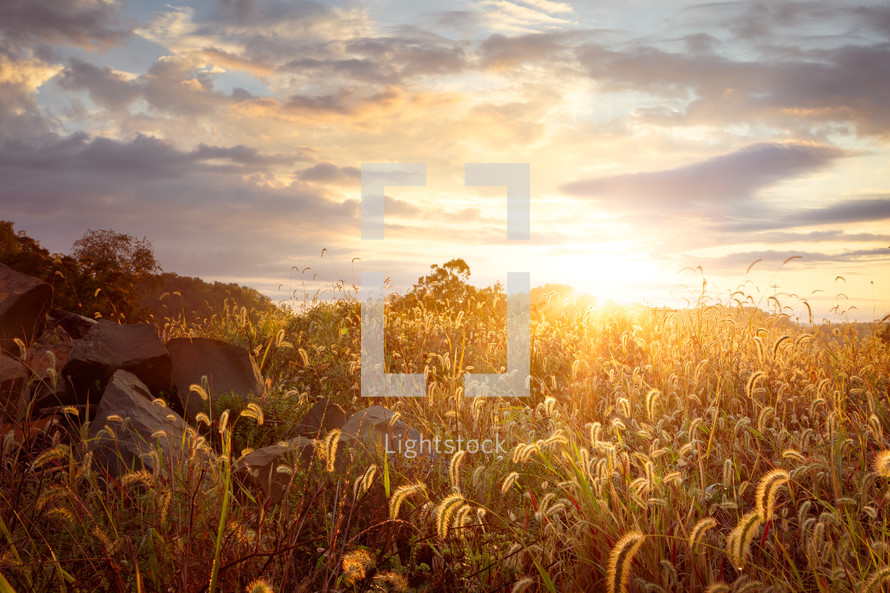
376,382
411,448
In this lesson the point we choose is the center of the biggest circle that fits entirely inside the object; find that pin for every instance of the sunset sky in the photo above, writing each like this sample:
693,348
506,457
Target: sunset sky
661,136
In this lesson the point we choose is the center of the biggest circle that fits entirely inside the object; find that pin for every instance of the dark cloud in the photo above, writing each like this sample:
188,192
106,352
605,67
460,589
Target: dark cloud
500,51
820,236
740,260
384,60
72,22
875,18
242,155
870,209
105,87
192,204
176,85
763,20
142,158
330,173
703,188
251,13
344,102
846,85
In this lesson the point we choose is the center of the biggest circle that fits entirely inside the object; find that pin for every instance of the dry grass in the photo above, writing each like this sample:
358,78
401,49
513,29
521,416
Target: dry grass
712,449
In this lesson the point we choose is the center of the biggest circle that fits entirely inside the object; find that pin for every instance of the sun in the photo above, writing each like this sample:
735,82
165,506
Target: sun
606,273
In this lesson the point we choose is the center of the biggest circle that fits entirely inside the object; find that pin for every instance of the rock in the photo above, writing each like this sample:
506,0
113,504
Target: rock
144,426
24,302
76,326
259,468
322,417
109,347
373,429
229,370
13,382
25,432
43,363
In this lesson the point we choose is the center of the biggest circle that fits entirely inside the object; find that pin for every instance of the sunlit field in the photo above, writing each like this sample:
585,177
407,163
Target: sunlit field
709,449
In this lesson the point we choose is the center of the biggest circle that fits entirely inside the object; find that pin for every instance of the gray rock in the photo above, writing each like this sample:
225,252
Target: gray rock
76,326
13,381
373,430
229,369
145,428
109,347
322,417
259,468
24,303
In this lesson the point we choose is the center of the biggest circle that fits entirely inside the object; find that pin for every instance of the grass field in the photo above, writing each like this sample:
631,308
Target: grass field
710,449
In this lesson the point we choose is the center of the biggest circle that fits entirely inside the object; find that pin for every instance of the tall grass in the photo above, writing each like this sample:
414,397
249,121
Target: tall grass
712,449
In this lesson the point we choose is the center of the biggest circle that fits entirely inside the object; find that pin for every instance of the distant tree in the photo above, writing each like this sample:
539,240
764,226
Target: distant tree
447,283
193,299
22,253
115,269
108,250
116,276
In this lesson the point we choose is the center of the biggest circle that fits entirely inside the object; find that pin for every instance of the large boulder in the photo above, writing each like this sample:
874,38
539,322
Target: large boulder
76,326
13,381
140,428
321,418
259,468
109,347
24,303
229,370
45,364
376,429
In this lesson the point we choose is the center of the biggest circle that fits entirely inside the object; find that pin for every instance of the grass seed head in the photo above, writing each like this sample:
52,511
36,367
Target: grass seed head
620,560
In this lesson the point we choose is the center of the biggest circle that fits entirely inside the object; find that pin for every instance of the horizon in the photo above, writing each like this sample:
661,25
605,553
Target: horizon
666,146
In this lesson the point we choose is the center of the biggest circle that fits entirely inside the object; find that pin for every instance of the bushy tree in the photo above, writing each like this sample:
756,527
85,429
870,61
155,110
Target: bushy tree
446,284
115,269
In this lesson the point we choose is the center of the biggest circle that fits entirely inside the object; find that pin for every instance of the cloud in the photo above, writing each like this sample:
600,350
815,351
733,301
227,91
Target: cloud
500,51
182,85
853,210
816,236
843,85
71,22
20,76
741,259
515,17
106,87
703,188
192,203
329,173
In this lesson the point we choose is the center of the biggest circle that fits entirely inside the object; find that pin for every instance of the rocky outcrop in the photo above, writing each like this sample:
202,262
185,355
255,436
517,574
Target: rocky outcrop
259,469
24,303
321,418
132,430
13,381
109,347
229,370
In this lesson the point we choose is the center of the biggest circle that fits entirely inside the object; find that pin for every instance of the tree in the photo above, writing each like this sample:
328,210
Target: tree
109,250
116,268
21,252
447,282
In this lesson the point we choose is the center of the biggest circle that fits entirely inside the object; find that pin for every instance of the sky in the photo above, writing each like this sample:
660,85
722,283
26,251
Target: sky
671,145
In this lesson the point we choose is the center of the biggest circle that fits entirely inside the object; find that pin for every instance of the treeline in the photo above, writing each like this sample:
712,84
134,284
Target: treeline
116,276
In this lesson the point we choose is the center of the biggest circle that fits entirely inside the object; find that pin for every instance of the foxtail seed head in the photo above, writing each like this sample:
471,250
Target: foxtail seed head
620,559
767,490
